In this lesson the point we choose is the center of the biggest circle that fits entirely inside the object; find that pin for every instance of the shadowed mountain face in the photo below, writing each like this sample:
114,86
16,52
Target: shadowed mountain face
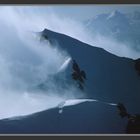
108,78
82,118
137,65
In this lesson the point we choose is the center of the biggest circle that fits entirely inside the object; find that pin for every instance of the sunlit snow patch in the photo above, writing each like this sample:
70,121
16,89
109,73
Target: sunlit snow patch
64,65
72,102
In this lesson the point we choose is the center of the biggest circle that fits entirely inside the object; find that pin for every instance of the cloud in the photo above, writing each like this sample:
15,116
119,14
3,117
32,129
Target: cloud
25,63
36,18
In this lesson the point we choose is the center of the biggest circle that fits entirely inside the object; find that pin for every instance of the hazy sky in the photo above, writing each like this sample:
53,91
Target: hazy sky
82,12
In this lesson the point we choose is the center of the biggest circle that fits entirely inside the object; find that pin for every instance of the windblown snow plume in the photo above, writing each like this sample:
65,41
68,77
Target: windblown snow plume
25,63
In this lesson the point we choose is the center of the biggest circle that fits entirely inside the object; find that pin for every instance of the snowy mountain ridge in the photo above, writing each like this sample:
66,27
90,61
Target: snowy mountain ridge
118,26
109,79
108,76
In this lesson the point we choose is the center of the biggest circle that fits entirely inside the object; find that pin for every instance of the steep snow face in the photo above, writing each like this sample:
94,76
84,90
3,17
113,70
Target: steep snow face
109,78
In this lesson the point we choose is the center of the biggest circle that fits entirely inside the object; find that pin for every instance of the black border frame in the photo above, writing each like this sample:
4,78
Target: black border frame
69,136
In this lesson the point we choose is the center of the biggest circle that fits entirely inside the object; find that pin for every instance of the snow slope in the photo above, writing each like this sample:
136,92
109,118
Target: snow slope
109,79
83,118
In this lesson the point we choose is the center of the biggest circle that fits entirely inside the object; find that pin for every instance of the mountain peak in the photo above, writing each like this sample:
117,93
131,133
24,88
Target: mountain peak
114,14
